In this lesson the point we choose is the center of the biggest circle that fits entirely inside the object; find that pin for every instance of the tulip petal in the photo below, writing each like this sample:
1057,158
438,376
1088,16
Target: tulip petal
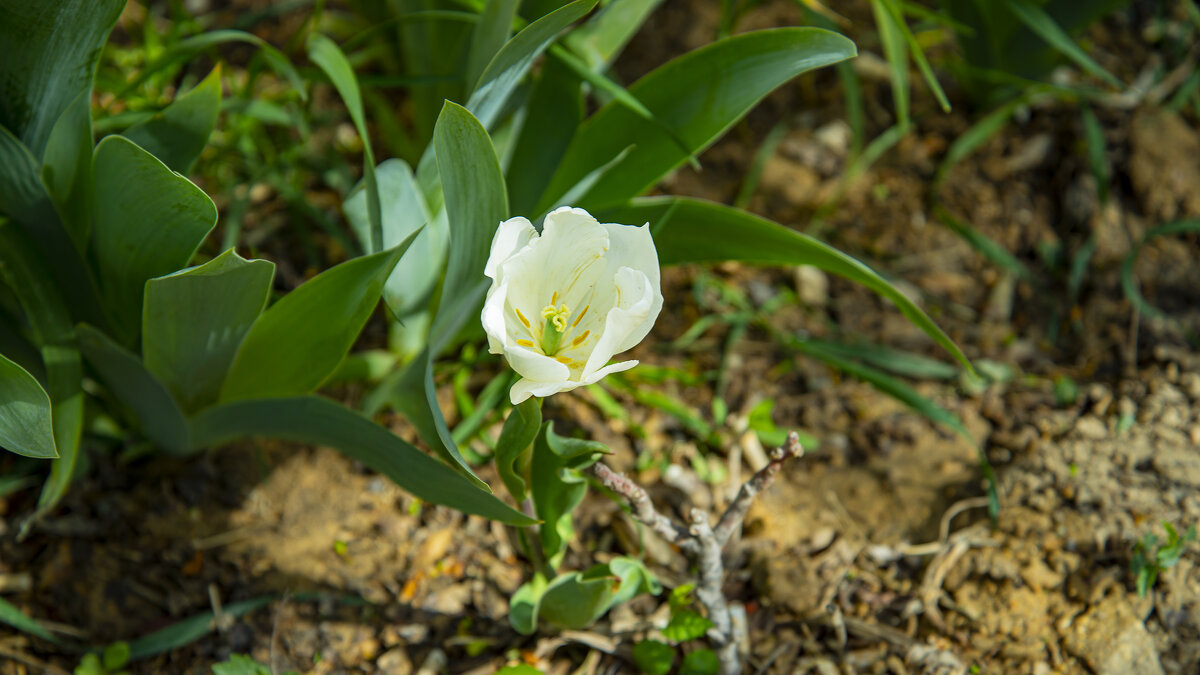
629,318
512,235
534,366
493,318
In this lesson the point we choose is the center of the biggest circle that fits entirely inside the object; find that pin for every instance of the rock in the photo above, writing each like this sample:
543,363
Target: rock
1092,427
1112,640
1162,166
812,286
394,662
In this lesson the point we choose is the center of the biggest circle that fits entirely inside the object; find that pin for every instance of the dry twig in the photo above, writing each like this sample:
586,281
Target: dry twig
703,542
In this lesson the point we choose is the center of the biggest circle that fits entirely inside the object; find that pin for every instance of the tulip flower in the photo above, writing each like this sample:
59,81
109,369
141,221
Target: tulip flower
564,302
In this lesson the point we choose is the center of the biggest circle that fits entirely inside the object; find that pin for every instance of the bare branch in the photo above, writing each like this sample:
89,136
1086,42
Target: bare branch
732,519
643,508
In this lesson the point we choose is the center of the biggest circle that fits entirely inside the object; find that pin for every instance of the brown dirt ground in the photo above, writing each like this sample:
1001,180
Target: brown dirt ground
871,554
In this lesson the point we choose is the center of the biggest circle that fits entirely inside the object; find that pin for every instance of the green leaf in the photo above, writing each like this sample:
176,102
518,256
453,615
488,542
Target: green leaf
519,669
523,607
699,95
897,58
10,615
686,625
26,272
489,35
601,39
1037,20
985,245
50,54
116,656
1129,285
653,657
558,487
67,169
298,343
891,360
25,424
319,421
194,320
554,110
514,445
514,59
700,662
575,600
403,211
918,55
240,664
24,198
148,222
414,394
326,54
476,203
177,135
692,230
187,631
124,374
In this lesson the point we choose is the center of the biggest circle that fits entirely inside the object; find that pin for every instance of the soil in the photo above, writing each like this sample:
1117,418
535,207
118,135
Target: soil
873,553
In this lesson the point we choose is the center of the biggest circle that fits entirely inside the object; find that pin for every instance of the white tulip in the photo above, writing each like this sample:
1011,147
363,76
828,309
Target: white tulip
563,303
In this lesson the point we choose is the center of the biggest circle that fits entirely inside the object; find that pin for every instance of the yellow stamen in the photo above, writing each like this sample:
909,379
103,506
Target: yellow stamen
580,317
557,316
563,360
581,339
525,343
554,298
522,318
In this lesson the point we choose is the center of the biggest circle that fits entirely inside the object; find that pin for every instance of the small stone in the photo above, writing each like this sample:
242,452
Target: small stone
812,286
394,662
1113,641
1190,382
1092,427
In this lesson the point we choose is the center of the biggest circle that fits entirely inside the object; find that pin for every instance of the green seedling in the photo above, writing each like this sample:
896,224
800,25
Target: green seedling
1151,558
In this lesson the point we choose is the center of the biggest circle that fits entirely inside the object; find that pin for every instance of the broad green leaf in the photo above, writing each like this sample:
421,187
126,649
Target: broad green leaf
692,230
403,211
514,445
25,424
523,606
412,393
700,662
1037,20
148,221
489,35
10,615
67,169
606,33
574,601
298,343
178,134
653,657
476,204
50,54
698,95
312,419
24,198
185,632
514,59
329,57
26,272
189,47
194,320
554,110
557,486
136,387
